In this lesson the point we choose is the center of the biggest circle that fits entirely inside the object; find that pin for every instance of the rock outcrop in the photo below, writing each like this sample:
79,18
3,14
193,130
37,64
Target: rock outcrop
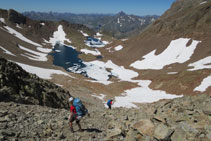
16,17
19,86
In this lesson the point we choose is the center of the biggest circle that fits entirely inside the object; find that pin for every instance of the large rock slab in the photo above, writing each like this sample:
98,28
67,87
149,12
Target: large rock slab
145,126
162,132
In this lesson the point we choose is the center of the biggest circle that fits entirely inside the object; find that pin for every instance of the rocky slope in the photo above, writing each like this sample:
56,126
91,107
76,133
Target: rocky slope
19,86
186,118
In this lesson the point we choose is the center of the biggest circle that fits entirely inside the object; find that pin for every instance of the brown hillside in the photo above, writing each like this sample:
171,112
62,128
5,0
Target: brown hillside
185,19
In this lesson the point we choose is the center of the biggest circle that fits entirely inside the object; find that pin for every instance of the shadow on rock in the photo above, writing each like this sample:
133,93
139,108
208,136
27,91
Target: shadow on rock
93,130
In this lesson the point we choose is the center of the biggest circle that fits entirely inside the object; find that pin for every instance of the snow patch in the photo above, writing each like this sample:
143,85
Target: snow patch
59,85
93,52
201,64
84,34
44,50
59,36
101,96
176,52
118,48
172,72
41,72
20,36
6,51
45,41
37,56
203,2
204,84
18,26
124,40
96,46
2,20
118,21
109,49
42,24
99,34
100,81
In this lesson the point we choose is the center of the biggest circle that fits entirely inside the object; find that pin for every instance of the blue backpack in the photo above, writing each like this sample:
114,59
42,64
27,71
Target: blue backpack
80,108
109,102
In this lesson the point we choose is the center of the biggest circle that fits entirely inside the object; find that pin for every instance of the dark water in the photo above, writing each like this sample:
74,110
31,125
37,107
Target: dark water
66,57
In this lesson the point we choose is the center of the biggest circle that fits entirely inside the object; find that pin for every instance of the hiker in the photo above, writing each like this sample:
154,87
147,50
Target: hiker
109,103
77,111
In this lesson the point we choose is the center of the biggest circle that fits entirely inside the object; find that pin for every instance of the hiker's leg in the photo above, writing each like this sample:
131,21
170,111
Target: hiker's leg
79,125
71,126
71,123
109,106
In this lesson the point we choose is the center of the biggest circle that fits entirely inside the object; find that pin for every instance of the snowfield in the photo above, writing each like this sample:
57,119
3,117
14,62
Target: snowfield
204,84
97,71
176,52
59,36
41,72
142,94
201,64
6,51
20,36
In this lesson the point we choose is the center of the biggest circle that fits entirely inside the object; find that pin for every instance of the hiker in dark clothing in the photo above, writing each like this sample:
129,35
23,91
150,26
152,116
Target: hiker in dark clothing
109,103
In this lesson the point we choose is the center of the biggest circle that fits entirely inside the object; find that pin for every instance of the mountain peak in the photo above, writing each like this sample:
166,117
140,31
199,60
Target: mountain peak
121,13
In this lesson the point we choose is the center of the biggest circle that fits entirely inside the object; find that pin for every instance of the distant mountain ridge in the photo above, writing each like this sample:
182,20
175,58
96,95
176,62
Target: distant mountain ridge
118,25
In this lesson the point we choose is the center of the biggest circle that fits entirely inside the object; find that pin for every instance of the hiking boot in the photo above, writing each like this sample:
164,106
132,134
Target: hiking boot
71,130
80,130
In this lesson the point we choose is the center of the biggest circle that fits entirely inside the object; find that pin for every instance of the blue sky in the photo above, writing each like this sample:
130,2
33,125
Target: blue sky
137,7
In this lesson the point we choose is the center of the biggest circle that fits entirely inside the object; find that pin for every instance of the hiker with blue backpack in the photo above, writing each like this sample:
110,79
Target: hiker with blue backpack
77,111
109,103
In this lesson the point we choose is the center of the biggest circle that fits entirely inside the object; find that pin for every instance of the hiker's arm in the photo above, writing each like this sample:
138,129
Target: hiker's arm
71,115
